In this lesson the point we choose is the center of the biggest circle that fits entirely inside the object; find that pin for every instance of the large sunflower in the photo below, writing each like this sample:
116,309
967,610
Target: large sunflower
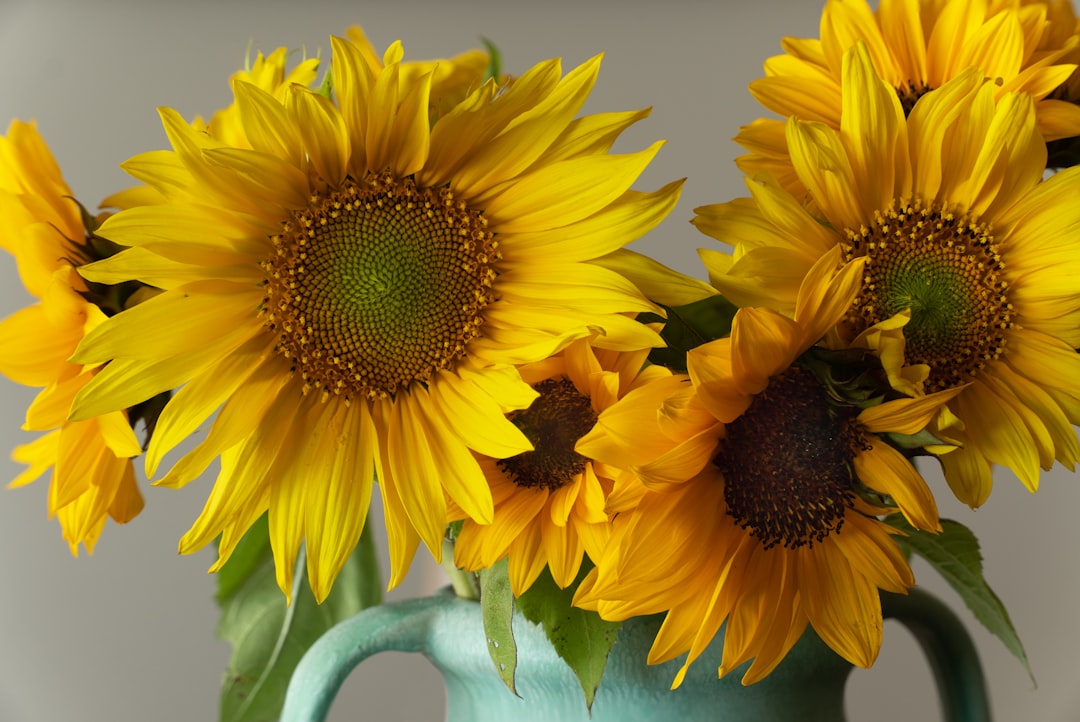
971,268
549,502
914,47
761,511
353,294
46,231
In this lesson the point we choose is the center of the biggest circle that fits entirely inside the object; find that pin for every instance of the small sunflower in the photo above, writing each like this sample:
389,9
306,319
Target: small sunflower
270,73
47,232
914,48
353,293
549,502
971,260
451,81
761,512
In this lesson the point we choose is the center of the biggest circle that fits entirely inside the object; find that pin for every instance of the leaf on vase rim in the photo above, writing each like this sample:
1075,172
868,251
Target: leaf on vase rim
581,638
497,608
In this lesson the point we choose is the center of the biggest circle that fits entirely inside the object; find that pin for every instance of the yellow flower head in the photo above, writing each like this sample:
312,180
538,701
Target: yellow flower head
44,229
971,260
549,502
914,47
760,507
355,290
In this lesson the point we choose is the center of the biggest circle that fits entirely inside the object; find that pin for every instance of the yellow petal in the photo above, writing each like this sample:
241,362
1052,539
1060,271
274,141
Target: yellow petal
656,281
969,476
476,418
323,133
564,192
630,216
266,124
338,474
886,470
460,473
530,134
842,605
123,383
39,455
194,403
172,323
906,416
415,474
264,176
591,134
33,350
763,343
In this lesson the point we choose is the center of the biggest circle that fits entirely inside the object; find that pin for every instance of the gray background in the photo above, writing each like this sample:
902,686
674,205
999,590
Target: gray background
128,634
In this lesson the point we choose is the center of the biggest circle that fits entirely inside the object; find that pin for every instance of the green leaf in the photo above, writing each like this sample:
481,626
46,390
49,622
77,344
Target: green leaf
251,553
497,604
579,636
690,326
268,637
955,554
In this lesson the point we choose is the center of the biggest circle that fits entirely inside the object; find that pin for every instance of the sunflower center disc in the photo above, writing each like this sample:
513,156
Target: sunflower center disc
554,422
909,94
947,270
378,285
787,463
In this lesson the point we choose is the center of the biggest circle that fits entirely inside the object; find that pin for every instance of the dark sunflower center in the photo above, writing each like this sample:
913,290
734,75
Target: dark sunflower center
909,94
554,422
787,463
947,270
378,285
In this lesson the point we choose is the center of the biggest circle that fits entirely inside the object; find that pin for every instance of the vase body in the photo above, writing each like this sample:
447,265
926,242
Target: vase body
807,685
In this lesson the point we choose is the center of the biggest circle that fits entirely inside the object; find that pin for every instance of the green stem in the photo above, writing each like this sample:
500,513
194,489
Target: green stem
464,583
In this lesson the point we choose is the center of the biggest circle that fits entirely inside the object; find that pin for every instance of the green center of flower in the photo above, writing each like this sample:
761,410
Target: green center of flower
947,270
787,462
378,285
554,422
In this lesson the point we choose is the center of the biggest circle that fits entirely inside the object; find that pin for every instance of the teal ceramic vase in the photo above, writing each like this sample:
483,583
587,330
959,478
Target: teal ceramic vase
807,686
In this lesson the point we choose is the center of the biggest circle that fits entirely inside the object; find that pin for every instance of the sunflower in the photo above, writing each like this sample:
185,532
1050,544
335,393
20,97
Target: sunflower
549,502
48,234
353,293
914,47
972,260
761,511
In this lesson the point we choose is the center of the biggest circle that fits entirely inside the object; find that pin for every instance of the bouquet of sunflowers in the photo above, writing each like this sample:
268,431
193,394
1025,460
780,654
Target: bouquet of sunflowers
369,272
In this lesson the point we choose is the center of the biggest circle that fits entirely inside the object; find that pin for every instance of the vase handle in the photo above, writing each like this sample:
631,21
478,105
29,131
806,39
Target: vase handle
949,648
400,627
